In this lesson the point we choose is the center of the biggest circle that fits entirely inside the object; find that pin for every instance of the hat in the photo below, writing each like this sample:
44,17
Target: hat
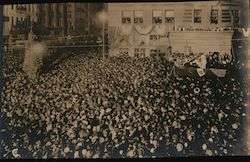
179,147
66,149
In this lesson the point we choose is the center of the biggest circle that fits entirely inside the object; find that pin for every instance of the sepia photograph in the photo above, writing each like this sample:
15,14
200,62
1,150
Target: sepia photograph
118,80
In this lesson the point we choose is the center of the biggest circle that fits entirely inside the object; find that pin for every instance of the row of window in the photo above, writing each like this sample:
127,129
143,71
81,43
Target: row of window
170,16
20,20
139,52
29,7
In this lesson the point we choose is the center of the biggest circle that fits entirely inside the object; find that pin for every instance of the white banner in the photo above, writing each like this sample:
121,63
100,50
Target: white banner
144,30
219,72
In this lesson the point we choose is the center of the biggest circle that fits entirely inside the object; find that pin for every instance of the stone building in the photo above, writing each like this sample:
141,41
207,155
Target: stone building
17,18
144,29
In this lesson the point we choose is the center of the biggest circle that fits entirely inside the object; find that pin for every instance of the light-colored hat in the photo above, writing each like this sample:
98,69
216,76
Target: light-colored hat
179,147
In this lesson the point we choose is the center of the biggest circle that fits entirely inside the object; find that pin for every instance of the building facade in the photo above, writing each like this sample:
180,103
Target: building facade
17,17
52,16
58,19
82,17
144,29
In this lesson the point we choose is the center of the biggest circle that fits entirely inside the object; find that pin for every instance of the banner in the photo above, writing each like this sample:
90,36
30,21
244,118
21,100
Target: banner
219,72
160,29
126,29
141,40
143,30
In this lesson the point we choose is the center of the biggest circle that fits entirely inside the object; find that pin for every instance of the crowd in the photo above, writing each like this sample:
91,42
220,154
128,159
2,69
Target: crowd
89,107
219,60
213,59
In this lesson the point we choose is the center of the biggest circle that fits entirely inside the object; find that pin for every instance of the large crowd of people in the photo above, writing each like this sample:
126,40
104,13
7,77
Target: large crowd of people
93,107
213,60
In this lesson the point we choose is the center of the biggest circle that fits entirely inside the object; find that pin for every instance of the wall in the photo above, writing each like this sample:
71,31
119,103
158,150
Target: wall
13,13
203,41
114,10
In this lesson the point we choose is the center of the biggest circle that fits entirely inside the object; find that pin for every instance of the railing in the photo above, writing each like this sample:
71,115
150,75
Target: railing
185,29
54,43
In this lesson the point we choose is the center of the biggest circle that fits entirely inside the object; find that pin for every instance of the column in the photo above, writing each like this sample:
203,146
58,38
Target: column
47,15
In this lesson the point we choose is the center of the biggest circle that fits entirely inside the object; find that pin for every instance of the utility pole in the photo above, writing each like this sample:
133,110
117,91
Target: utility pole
88,18
103,37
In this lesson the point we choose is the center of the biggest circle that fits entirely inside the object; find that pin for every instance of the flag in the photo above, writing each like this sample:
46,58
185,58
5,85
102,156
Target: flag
201,62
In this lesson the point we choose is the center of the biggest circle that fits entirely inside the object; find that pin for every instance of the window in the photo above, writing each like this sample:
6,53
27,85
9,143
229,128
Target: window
169,17
6,18
136,52
153,53
225,16
197,16
236,17
214,17
123,51
157,17
126,17
12,7
188,16
139,52
142,52
138,17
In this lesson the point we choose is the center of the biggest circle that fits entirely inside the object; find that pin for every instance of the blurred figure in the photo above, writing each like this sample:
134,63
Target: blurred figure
33,56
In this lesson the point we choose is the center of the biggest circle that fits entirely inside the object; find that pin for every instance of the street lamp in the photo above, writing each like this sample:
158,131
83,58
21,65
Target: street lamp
102,16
